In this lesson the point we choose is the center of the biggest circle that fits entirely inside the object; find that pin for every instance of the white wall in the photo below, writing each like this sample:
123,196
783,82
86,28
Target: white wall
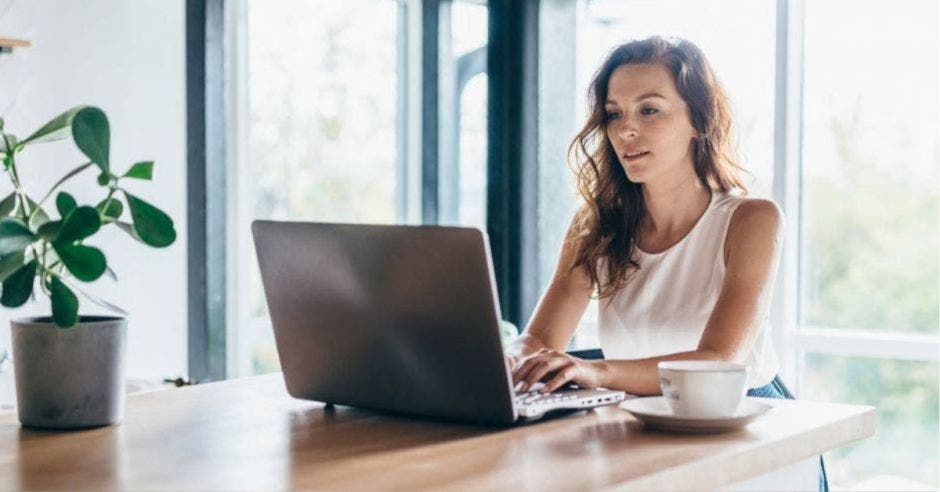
128,57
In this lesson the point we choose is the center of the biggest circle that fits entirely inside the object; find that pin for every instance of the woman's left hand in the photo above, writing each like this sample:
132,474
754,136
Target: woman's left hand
558,368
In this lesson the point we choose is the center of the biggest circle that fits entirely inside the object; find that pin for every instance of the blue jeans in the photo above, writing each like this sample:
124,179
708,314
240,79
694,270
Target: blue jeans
776,389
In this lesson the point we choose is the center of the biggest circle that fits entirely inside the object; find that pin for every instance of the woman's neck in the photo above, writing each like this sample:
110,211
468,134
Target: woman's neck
674,207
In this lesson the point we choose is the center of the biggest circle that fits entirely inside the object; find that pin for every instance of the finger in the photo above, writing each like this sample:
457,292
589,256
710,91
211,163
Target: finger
525,369
528,364
562,377
519,365
525,365
545,367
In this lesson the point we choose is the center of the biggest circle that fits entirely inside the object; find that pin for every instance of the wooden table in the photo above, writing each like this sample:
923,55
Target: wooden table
249,434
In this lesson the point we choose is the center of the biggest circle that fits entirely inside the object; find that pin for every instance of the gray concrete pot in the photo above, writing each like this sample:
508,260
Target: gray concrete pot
69,378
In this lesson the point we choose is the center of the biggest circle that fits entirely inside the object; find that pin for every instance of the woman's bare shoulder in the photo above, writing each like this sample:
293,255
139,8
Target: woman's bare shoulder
757,223
755,211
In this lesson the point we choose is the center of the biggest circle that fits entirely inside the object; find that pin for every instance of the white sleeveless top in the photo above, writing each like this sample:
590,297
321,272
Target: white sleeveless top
664,306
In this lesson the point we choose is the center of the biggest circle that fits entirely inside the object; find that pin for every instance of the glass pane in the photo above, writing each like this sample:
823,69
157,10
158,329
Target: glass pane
321,132
741,53
473,103
903,451
870,163
469,26
470,31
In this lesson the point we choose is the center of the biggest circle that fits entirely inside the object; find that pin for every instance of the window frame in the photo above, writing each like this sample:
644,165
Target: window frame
795,341
215,69
206,205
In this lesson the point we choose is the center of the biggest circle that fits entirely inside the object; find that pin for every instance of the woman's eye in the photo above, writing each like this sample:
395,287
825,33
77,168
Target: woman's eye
611,116
649,111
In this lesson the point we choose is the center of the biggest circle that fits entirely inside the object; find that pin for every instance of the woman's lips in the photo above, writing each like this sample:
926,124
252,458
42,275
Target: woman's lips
635,158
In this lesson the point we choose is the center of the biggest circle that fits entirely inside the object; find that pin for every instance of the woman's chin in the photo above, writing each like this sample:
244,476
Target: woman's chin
634,174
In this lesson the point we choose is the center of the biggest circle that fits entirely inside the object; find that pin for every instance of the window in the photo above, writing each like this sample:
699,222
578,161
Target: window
868,272
865,318
321,132
905,442
330,124
861,251
468,192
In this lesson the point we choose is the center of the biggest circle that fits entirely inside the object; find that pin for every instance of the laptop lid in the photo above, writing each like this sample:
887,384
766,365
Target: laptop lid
398,318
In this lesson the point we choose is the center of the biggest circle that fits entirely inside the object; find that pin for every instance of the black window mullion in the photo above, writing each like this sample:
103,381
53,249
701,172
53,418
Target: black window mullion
206,217
430,112
512,154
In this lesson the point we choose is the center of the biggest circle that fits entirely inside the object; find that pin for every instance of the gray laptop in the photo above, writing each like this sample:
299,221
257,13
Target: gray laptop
395,318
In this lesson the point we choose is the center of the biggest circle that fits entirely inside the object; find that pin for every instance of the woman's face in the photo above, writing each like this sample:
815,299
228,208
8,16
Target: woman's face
648,124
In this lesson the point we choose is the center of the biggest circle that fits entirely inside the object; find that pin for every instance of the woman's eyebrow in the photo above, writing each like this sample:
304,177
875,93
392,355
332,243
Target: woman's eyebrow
639,98
650,94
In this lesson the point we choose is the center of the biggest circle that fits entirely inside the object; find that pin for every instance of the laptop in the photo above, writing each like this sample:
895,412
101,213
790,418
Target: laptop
395,318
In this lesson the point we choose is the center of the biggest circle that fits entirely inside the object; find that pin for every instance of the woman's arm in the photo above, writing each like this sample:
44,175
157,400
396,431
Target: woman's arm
559,310
751,253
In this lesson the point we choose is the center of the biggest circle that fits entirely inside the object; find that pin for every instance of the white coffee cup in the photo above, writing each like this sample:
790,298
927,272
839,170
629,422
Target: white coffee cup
703,388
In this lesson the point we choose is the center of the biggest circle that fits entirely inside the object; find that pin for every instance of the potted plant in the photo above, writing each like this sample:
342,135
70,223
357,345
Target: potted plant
69,368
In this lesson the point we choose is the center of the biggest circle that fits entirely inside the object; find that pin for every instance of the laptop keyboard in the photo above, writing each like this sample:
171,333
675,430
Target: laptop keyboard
536,397
533,403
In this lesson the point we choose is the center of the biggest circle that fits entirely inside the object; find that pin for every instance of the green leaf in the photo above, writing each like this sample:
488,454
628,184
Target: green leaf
141,170
92,135
153,227
115,209
56,129
104,179
19,286
14,236
65,203
50,230
79,224
8,204
85,262
37,216
64,303
9,264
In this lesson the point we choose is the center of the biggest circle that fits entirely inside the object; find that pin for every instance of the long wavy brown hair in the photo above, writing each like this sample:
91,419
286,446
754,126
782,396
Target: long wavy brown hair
606,224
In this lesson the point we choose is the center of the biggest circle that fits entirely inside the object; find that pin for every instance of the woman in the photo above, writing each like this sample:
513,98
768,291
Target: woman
683,262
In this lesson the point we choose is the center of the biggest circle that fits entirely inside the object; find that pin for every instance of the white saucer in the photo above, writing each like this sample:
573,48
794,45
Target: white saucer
655,413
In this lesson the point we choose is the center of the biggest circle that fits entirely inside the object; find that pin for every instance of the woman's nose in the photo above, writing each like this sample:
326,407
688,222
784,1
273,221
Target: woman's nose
627,130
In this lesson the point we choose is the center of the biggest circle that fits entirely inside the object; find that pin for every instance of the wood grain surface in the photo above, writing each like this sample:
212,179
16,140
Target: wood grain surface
249,434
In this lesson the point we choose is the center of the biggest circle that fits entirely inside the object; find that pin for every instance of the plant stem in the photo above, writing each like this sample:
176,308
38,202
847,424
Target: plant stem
42,284
43,271
107,201
42,261
24,205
